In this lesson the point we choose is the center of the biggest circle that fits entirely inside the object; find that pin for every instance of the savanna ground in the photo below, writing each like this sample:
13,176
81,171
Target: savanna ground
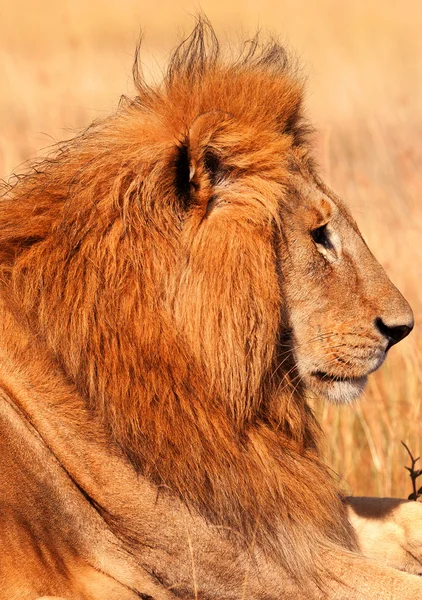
65,63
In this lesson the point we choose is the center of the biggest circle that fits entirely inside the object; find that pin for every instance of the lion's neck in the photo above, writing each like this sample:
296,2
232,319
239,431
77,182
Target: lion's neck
240,482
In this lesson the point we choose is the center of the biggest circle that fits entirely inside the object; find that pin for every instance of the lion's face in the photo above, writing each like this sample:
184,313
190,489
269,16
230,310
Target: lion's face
343,310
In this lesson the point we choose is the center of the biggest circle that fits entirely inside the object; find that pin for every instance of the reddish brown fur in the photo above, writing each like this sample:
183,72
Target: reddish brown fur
172,331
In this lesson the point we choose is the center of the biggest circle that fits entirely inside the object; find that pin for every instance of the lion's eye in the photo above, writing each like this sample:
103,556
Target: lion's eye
321,237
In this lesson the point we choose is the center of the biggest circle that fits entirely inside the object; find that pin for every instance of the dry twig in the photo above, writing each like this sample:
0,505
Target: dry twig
414,474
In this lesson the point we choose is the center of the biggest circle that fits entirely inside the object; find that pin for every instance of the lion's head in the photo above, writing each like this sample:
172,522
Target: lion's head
193,276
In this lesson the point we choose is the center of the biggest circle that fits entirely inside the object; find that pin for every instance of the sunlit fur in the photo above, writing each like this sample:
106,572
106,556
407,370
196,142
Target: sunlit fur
160,296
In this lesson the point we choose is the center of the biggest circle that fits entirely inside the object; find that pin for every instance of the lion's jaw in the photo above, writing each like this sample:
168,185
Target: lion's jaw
346,313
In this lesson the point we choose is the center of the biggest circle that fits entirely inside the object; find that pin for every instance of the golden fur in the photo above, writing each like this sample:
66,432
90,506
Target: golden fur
149,258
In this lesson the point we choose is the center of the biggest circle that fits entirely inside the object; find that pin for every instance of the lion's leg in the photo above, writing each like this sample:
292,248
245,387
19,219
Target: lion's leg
389,530
359,578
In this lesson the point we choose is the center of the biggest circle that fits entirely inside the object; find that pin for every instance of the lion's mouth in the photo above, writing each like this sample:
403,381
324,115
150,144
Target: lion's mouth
330,378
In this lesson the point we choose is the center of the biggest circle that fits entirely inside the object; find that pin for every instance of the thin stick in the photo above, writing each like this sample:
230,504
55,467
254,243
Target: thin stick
414,474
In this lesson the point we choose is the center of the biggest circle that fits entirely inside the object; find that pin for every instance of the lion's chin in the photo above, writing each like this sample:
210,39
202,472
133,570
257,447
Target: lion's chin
337,390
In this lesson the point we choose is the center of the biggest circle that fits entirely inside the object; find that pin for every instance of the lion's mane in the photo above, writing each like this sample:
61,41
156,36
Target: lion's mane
173,331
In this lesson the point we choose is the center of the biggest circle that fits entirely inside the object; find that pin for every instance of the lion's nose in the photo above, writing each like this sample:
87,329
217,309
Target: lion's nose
393,333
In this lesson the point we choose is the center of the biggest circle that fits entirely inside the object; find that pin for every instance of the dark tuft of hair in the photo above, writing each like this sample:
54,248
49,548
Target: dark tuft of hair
181,178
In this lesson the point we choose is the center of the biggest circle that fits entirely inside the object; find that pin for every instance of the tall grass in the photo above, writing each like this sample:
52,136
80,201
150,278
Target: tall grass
64,63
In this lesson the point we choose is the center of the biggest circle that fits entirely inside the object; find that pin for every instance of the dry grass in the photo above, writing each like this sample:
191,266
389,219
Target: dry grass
64,63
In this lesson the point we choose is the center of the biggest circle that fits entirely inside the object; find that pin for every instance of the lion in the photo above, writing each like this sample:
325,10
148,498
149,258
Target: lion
176,281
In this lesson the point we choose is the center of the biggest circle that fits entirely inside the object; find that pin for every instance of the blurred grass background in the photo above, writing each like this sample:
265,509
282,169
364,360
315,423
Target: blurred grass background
65,62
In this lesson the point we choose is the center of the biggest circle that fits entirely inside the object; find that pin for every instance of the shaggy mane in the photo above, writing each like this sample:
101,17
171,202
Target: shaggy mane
168,318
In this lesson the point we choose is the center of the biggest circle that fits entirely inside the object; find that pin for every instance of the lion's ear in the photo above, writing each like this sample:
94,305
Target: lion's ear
200,163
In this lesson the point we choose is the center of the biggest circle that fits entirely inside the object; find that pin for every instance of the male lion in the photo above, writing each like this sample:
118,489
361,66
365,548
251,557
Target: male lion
173,281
